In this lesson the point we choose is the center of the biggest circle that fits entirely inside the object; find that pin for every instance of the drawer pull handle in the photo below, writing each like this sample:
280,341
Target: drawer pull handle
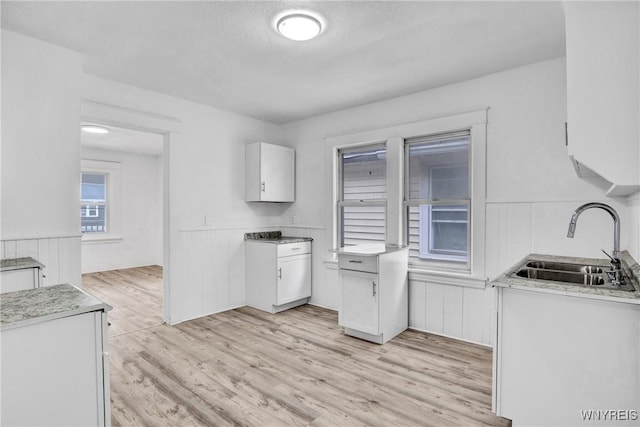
355,261
296,249
374,288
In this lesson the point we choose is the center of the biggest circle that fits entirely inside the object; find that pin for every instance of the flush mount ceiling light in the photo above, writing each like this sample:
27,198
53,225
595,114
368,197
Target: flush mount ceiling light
299,25
95,129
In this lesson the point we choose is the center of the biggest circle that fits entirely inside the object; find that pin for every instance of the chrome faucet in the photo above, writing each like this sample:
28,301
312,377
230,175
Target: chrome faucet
616,269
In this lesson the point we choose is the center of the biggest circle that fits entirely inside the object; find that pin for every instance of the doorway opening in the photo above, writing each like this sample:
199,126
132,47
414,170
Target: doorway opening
122,211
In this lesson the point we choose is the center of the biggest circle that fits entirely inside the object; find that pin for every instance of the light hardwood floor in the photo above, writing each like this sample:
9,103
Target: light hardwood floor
247,367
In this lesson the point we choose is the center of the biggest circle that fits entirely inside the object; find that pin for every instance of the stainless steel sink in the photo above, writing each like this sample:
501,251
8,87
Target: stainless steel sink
562,266
571,274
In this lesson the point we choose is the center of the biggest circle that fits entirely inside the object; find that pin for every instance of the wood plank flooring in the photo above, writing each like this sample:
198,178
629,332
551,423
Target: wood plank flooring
295,368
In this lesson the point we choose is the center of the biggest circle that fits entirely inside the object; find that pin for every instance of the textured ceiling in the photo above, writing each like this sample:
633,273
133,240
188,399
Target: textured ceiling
226,54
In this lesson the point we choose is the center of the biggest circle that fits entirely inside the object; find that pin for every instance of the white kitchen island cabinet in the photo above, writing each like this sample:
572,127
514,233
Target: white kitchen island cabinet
269,173
373,282
278,273
54,358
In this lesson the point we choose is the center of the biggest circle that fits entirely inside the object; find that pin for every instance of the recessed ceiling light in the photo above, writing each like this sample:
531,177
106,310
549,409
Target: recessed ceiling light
299,26
94,129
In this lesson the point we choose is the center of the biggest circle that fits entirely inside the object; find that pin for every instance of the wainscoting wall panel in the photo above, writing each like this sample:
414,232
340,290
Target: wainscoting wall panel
60,256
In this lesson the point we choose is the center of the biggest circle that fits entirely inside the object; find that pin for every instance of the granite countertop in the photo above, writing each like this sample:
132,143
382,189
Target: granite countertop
631,267
22,308
369,249
19,264
275,237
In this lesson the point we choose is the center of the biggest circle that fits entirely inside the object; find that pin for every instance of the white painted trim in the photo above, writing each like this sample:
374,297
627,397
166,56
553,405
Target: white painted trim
100,240
442,278
200,316
247,227
51,236
451,337
322,306
166,126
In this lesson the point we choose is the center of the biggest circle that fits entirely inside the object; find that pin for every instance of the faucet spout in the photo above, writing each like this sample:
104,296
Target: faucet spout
615,255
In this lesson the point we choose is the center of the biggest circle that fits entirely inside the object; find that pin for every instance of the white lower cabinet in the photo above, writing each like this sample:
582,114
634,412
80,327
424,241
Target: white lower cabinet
562,360
55,373
374,304
278,276
360,301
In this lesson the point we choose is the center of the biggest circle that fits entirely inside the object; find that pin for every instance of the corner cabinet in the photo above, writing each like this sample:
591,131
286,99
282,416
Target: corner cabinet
374,304
269,173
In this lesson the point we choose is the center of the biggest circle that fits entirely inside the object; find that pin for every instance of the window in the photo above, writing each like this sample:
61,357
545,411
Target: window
100,201
93,210
437,197
433,172
362,195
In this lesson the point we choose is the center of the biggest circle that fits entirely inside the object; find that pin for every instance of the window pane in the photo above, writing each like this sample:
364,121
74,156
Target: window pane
439,169
362,224
93,218
94,187
364,174
438,232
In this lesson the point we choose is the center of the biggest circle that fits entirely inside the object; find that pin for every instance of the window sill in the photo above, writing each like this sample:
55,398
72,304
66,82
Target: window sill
96,240
430,276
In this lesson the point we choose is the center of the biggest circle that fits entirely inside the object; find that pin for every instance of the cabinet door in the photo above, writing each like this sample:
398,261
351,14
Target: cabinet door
294,278
359,308
277,173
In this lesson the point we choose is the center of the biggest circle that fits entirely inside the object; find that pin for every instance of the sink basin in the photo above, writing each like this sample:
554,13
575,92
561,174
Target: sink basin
562,276
562,266
571,274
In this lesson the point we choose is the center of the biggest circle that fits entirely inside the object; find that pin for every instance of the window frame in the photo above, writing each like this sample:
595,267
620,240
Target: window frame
396,234
113,220
440,260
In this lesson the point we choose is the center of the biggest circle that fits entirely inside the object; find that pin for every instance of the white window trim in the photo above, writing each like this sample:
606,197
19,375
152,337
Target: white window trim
476,121
114,215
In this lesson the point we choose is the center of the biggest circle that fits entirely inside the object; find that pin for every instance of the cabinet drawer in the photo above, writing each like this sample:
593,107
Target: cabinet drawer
289,249
358,263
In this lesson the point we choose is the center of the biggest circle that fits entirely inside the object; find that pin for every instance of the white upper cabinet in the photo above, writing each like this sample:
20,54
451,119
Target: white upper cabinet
270,173
603,70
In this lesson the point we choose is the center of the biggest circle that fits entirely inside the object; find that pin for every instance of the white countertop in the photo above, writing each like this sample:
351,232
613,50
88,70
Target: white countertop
32,306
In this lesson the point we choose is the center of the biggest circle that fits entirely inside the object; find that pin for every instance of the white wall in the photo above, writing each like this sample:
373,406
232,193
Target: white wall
531,186
41,154
206,170
140,210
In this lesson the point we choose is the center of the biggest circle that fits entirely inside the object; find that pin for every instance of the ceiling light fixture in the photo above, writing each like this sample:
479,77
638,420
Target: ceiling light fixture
95,129
299,25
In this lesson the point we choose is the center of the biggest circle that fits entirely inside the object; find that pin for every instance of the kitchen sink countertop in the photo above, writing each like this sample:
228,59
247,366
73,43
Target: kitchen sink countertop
275,237
38,305
509,280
